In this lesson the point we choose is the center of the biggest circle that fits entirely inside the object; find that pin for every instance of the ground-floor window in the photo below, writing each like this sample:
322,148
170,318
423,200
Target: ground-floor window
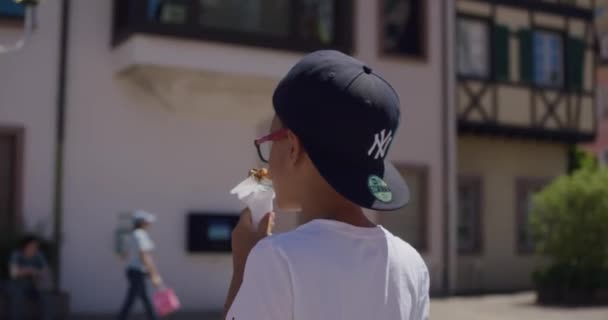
11,9
604,157
602,99
410,222
469,215
526,188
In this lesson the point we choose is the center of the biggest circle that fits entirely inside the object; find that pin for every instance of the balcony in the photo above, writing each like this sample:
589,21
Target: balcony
258,39
294,25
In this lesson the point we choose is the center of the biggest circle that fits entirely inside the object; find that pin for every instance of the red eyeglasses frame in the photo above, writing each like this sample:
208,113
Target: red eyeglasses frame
271,137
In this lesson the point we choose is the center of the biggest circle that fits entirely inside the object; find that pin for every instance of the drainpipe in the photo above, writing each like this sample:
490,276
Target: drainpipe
449,134
60,141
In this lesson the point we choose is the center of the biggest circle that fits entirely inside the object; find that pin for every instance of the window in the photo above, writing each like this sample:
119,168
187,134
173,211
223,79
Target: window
603,42
473,50
525,191
10,9
290,24
268,17
548,59
602,100
403,27
604,157
410,223
483,49
469,215
542,59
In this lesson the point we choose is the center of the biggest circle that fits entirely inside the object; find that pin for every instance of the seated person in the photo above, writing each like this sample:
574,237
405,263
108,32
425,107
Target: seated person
27,267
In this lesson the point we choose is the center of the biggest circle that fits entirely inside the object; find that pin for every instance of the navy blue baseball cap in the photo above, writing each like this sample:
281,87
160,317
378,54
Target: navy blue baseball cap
346,117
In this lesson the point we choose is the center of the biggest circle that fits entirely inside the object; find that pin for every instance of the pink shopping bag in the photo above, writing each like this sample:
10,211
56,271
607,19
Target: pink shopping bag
165,301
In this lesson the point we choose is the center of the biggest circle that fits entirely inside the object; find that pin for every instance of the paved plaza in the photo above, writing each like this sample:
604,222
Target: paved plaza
508,307
492,307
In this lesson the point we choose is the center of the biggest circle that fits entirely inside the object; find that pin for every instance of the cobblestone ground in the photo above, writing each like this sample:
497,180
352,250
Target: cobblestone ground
492,307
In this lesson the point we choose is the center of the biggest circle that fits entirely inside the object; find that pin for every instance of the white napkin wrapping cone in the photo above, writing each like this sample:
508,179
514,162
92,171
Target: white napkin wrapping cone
257,195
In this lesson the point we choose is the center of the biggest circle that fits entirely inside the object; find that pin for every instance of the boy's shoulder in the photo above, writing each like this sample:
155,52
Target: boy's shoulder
309,237
290,238
404,251
303,240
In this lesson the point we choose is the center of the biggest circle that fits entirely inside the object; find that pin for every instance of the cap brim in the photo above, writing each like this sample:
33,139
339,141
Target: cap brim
353,182
398,186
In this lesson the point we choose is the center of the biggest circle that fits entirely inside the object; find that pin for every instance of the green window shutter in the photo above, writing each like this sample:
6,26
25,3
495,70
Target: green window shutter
575,56
526,56
501,47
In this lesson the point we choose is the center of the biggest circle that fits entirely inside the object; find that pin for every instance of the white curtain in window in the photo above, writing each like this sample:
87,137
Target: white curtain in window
472,48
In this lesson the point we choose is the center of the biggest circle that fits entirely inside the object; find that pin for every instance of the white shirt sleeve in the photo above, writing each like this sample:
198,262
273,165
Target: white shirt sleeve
422,307
266,292
143,241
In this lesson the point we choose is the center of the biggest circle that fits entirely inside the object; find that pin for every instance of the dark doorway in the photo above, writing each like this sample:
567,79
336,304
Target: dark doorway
11,157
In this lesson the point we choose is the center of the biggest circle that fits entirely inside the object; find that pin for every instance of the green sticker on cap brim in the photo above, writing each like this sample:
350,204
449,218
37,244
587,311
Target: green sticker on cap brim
379,189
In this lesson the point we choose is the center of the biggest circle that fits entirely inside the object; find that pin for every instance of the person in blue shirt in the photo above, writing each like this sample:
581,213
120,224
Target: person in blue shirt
27,267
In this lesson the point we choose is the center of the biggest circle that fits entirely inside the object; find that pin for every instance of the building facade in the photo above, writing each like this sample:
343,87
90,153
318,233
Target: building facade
525,96
118,105
599,147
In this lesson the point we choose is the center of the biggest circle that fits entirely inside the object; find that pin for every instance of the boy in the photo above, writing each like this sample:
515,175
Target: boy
335,120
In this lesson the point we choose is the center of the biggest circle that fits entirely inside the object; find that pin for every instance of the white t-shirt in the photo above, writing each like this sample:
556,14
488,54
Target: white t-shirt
332,270
139,241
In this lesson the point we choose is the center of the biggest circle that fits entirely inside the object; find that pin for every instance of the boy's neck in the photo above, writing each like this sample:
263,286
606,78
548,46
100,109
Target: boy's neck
349,214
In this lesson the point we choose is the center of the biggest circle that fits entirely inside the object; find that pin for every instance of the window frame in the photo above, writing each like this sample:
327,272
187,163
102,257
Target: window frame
522,187
422,172
476,182
130,17
424,38
489,25
564,55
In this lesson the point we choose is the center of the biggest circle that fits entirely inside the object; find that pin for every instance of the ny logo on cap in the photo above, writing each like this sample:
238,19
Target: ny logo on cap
381,143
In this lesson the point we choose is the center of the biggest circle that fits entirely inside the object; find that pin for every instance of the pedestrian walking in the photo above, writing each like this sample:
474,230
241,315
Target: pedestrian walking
140,266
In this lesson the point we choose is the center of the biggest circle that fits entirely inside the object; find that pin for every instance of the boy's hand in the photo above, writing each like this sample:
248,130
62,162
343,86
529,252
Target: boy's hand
245,237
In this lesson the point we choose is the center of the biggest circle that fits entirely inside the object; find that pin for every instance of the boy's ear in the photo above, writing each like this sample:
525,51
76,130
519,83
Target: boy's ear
295,148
